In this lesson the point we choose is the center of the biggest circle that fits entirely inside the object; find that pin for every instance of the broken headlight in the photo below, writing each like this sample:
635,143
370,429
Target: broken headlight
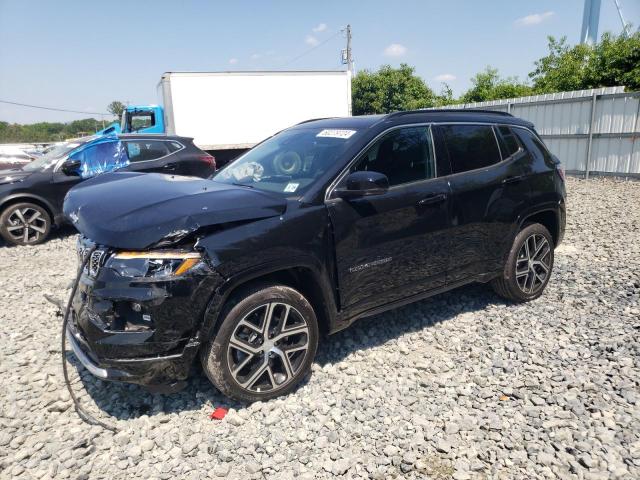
158,265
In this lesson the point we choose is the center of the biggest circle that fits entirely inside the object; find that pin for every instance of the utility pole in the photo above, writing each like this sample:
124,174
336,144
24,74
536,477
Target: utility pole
347,58
625,25
590,20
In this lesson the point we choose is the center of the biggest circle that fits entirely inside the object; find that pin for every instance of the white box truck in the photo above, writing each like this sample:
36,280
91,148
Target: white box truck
227,113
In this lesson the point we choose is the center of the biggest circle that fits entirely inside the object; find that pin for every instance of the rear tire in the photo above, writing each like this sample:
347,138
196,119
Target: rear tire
265,345
25,224
529,265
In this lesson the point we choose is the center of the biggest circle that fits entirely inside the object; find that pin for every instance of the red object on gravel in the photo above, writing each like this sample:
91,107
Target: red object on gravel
219,413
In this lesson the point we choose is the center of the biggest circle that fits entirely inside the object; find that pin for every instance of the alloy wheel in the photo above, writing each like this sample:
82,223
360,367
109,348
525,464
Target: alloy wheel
26,225
533,263
268,347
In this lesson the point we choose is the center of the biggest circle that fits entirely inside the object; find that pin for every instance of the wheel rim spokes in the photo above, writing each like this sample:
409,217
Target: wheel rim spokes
532,263
26,224
268,347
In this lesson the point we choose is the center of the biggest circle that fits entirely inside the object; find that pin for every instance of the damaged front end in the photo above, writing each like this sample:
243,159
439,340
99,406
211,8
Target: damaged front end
136,314
142,298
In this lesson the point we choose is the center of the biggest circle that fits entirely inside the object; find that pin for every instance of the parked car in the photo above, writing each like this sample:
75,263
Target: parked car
324,223
13,156
31,196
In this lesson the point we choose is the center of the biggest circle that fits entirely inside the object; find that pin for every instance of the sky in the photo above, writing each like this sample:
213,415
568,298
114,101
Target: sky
81,55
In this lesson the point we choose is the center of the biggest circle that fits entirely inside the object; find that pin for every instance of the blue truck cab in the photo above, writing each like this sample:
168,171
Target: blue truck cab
138,119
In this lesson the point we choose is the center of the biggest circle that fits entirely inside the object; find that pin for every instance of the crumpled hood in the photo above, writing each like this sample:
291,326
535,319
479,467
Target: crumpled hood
138,210
13,176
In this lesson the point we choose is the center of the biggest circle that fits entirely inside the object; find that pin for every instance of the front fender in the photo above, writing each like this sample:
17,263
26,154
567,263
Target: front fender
212,319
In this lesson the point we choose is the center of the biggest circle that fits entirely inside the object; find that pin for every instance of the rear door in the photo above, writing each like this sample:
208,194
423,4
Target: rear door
154,155
487,192
393,245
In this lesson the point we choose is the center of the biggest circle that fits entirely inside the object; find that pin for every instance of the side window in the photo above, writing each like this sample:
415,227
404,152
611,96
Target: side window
174,146
470,146
100,158
403,155
141,150
540,149
509,143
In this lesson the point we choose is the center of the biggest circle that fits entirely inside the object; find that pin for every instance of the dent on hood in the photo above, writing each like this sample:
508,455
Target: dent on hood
174,237
153,210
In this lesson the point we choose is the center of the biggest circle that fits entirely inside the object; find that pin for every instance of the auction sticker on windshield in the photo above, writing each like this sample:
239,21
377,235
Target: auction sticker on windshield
291,187
336,133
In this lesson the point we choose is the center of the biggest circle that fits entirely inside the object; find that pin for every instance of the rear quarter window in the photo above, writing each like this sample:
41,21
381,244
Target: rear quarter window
174,146
509,143
536,146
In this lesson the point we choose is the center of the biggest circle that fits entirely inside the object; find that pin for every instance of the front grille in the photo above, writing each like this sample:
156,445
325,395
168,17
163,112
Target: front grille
98,255
95,262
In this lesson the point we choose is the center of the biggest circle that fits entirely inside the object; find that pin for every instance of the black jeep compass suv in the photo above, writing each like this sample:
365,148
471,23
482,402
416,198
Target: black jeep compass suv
324,223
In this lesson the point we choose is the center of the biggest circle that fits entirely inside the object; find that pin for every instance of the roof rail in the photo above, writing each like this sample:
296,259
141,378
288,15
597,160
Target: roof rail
448,110
313,120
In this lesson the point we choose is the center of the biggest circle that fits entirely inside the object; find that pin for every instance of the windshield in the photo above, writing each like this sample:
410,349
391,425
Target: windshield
289,162
50,157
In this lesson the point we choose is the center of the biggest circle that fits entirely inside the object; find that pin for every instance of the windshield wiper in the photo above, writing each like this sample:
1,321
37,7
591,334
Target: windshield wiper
242,185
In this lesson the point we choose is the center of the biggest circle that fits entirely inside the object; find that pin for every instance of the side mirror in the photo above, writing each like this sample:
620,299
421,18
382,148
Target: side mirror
363,183
71,167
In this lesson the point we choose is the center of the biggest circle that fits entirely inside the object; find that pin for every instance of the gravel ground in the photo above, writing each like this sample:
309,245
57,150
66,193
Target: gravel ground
459,386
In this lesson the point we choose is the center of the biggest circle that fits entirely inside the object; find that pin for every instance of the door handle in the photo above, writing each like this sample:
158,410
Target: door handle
432,199
515,179
169,166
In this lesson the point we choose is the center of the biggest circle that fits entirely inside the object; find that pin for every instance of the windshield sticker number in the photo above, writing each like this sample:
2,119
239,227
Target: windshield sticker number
335,133
291,187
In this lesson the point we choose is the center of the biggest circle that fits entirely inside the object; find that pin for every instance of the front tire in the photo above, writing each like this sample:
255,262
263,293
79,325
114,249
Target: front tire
25,224
529,265
265,345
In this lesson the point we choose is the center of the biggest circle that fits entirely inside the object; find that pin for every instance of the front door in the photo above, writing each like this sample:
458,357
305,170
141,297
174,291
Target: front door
105,155
393,245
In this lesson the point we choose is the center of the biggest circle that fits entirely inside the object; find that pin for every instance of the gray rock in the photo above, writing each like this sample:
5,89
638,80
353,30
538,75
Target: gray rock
443,446
147,445
253,467
340,466
234,419
222,470
428,380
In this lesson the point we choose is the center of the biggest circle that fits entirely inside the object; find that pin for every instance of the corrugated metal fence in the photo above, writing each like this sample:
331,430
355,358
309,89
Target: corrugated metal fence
591,131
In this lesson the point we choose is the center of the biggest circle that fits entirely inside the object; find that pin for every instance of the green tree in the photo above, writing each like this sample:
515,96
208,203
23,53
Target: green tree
488,85
389,90
563,69
613,61
116,108
446,96
46,131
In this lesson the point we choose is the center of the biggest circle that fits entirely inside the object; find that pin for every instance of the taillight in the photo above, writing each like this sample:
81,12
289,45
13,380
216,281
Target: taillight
208,159
560,169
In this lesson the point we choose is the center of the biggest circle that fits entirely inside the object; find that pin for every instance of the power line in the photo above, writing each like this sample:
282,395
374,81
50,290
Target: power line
52,108
311,49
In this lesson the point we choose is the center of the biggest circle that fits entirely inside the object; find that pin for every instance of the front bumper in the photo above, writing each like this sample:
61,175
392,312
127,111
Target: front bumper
163,374
107,334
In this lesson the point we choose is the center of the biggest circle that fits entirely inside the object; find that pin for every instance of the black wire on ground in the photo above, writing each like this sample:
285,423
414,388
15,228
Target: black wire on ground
82,413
